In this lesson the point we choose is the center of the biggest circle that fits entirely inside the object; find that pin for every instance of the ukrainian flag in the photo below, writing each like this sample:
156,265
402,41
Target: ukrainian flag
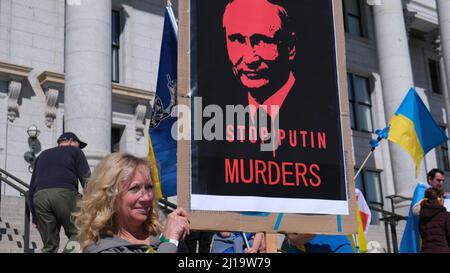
414,129
411,242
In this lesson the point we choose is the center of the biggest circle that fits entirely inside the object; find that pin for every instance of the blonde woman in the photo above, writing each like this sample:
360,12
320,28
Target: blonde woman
118,212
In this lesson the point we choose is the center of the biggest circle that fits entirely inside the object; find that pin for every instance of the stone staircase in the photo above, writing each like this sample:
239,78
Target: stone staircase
12,213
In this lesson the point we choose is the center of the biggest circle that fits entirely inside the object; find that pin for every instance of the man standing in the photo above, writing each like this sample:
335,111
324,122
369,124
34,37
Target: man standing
54,189
436,178
410,242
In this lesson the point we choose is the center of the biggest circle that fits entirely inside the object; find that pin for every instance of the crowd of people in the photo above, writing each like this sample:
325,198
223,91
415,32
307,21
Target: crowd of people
428,225
118,211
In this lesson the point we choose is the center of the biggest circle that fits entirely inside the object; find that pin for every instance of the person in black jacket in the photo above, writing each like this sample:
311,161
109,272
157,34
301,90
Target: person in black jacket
54,189
434,223
201,238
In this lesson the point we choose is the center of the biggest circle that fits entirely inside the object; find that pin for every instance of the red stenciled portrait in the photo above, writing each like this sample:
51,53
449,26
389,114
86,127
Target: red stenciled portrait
275,59
261,47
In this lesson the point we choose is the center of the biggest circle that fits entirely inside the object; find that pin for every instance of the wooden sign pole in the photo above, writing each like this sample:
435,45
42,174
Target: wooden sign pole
271,243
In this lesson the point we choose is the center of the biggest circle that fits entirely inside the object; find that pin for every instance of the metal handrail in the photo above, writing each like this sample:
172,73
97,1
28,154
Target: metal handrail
402,197
393,218
14,178
390,218
388,213
12,185
24,192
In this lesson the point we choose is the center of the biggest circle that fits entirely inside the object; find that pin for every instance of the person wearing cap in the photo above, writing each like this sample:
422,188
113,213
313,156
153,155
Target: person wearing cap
54,189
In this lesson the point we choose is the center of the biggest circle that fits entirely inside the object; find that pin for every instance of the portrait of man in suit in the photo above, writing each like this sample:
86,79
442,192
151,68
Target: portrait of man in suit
261,48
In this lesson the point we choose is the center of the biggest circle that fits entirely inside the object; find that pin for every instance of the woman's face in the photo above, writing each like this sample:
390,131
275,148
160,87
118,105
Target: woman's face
135,203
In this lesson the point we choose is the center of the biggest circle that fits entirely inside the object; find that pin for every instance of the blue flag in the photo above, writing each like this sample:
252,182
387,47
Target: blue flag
414,129
325,244
162,146
411,242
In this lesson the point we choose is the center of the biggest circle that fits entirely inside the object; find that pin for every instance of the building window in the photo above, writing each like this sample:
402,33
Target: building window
360,103
435,76
115,37
369,183
353,18
444,149
116,137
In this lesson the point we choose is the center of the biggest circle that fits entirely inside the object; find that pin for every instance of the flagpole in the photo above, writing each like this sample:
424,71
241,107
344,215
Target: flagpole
382,134
245,240
355,237
364,163
172,17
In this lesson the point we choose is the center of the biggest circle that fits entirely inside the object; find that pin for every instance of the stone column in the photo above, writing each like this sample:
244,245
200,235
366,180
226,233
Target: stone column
443,7
87,92
434,38
396,78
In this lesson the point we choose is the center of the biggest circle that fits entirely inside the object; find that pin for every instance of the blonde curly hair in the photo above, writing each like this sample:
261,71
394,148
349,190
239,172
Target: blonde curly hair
96,216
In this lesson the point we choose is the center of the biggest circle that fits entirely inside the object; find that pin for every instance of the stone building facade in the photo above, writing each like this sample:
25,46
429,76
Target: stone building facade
90,66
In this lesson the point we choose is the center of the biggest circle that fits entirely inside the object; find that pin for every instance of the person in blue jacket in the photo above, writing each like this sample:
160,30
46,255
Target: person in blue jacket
234,242
309,243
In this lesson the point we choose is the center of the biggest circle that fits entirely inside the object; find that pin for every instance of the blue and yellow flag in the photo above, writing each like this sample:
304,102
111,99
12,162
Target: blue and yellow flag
162,154
411,241
413,128
325,244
